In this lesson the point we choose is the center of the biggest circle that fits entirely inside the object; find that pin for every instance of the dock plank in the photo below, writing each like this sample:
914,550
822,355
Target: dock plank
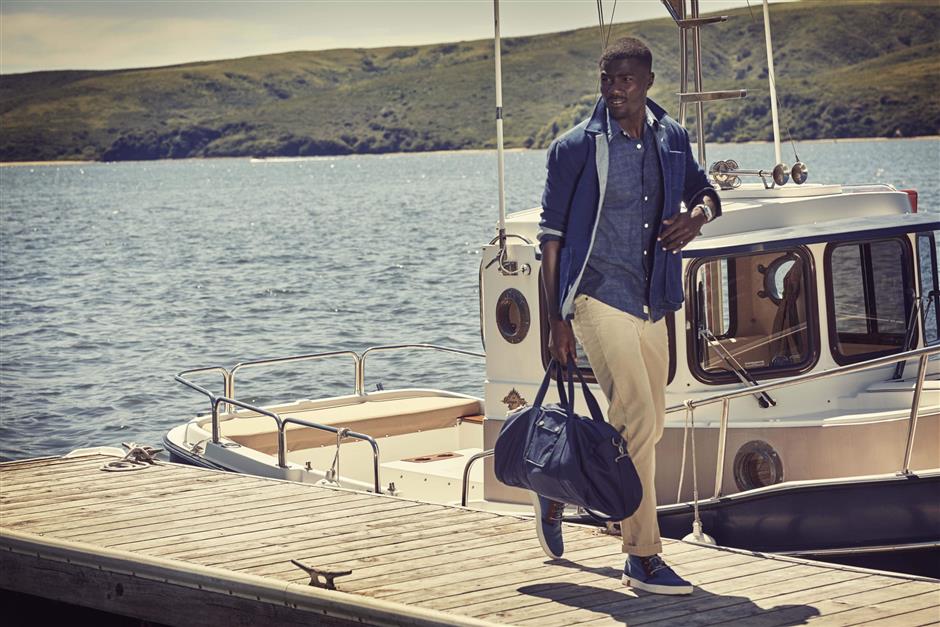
918,618
232,512
890,602
798,598
502,556
589,572
260,523
361,544
92,524
541,600
349,535
130,503
408,559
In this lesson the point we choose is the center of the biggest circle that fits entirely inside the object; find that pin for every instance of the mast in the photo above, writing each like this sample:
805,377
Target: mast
773,84
499,134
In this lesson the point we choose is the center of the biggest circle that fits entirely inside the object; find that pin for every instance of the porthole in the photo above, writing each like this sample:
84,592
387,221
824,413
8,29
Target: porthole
756,465
512,316
775,277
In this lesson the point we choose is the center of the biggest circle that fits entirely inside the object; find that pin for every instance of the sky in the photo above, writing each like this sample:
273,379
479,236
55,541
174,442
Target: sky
110,34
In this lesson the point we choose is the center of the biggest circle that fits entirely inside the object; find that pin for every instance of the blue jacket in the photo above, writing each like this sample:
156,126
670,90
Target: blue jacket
573,198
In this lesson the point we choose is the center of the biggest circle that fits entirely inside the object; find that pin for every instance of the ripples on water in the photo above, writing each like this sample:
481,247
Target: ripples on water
115,276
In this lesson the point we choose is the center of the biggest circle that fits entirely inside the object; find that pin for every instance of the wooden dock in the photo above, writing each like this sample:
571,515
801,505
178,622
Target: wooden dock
185,546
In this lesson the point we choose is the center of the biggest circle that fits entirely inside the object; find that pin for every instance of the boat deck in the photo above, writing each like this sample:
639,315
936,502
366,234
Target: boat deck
185,546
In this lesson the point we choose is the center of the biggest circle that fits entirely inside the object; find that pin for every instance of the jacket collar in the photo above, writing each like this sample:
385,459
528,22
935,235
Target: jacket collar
598,122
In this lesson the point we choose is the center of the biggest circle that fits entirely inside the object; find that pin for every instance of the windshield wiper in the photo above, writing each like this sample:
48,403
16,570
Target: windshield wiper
763,398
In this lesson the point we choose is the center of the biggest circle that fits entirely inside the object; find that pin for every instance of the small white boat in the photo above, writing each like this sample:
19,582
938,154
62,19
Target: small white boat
806,362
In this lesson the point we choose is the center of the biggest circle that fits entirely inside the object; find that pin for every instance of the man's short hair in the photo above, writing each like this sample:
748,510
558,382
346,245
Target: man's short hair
627,48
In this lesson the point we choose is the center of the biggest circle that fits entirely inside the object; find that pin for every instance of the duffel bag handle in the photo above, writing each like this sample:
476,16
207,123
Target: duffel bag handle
567,400
540,396
593,407
559,372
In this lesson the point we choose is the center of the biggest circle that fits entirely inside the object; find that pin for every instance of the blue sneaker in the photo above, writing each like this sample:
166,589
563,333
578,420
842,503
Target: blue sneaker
548,515
652,575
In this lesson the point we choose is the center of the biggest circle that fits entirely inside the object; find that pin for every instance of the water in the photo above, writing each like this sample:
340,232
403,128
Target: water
113,277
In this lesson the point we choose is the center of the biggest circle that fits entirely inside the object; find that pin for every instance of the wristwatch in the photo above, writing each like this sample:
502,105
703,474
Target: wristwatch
707,211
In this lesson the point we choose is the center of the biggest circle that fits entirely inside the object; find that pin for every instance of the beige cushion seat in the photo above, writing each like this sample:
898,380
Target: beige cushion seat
377,418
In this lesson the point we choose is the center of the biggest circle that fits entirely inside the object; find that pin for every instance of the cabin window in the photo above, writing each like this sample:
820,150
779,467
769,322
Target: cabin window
753,312
927,254
867,286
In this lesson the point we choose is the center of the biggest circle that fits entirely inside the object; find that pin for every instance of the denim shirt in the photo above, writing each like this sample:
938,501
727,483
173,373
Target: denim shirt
618,270
578,169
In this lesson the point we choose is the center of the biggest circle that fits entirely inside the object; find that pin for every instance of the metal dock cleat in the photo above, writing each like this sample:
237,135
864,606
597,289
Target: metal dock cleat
137,457
328,575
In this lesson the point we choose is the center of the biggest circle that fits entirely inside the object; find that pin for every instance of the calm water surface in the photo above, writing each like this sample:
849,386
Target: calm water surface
113,277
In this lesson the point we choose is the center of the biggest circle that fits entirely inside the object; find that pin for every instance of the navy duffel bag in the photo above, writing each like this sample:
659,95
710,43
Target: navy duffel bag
569,458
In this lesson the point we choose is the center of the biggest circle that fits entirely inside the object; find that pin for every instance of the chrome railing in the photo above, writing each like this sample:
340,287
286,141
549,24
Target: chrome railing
228,400
465,490
725,398
357,360
282,428
361,373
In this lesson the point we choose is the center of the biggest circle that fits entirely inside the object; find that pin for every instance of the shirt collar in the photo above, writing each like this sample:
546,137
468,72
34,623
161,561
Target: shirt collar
613,127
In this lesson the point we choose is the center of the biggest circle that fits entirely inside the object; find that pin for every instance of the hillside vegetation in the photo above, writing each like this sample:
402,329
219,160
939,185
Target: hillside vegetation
862,70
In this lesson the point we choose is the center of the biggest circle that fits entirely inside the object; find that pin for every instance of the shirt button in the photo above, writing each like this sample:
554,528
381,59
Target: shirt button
639,146
646,225
646,198
644,252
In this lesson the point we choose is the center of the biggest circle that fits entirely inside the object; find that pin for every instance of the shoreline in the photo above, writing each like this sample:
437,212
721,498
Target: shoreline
73,162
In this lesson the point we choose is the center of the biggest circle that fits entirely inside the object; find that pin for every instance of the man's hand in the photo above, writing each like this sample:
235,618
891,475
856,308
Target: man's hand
681,229
561,342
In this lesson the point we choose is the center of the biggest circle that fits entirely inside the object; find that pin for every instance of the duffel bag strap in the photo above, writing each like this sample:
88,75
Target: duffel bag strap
593,407
540,396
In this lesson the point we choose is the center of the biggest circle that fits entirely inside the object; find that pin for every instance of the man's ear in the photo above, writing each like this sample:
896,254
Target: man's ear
652,77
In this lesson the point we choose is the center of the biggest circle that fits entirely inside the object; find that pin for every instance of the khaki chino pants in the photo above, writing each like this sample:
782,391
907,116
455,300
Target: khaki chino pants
630,358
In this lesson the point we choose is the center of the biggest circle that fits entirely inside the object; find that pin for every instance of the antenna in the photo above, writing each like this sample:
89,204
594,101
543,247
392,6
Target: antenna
773,84
499,128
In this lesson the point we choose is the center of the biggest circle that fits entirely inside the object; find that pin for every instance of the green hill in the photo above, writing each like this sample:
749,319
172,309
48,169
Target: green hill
861,70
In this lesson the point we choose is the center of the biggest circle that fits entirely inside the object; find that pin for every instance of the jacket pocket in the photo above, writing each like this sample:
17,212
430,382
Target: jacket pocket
674,293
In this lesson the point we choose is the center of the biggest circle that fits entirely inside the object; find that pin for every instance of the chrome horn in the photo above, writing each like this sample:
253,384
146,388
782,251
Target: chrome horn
799,173
728,175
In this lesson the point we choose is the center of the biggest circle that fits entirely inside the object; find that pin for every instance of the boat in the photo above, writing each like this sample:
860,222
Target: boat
804,388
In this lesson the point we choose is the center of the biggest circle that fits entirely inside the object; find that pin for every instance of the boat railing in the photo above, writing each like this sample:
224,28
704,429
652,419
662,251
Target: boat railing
725,398
359,359
262,363
213,402
340,432
282,423
361,373
228,401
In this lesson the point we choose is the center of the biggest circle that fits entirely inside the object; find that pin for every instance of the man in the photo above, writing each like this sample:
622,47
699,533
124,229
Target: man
611,233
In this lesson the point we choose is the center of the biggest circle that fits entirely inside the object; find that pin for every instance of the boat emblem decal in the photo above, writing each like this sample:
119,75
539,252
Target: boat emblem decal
514,400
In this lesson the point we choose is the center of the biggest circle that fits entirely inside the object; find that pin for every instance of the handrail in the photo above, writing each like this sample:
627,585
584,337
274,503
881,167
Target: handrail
361,374
465,488
228,396
282,438
281,427
293,358
227,379
725,398
281,452
811,376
